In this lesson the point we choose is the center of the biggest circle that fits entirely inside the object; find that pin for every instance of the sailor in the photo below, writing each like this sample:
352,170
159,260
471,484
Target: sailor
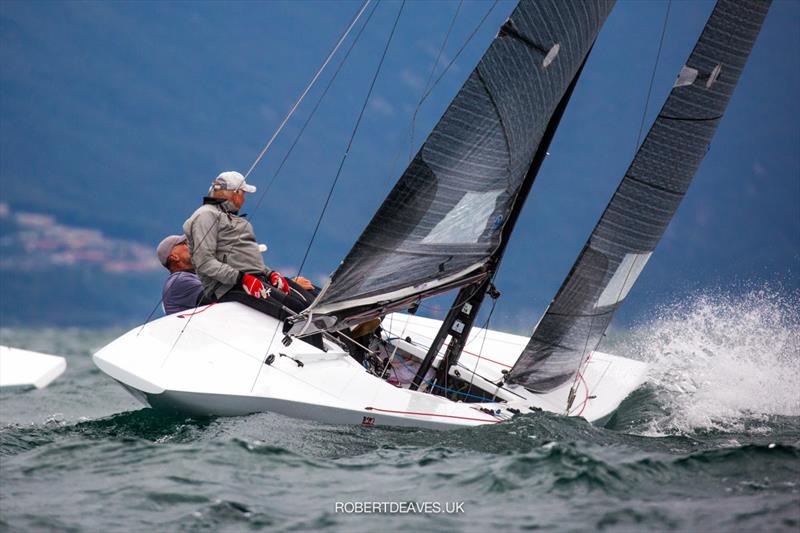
183,289
227,257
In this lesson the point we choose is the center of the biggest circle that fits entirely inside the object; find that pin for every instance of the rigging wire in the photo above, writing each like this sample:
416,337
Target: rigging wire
342,37
161,300
308,88
261,155
152,312
291,148
458,53
432,87
358,35
352,136
468,395
483,342
653,76
316,107
583,362
430,78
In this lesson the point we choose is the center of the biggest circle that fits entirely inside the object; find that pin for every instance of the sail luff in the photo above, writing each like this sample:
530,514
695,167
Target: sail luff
645,201
443,221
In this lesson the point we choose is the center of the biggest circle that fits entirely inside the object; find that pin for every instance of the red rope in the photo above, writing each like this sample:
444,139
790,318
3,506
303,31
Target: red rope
431,414
490,360
197,312
586,398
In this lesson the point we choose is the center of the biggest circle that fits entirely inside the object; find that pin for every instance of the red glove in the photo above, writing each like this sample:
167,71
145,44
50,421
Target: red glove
253,286
279,282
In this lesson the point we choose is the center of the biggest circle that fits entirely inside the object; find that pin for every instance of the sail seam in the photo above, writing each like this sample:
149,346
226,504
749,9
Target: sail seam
499,116
653,186
581,315
689,119
553,345
509,30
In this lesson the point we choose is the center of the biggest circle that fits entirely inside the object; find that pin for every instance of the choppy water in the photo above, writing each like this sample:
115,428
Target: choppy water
711,443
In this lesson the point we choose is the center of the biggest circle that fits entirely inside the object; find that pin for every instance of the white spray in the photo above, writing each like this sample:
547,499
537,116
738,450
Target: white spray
719,360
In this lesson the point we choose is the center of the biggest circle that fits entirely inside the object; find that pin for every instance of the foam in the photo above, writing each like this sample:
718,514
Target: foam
720,360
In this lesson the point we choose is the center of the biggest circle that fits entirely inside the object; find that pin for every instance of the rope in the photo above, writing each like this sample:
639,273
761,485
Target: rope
314,110
444,388
152,312
653,76
455,57
483,342
350,142
638,139
261,155
162,299
308,88
430,77
430,90
355,129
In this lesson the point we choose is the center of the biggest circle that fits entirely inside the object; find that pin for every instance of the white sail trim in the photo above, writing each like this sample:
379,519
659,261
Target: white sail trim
623,279
394,295
467,221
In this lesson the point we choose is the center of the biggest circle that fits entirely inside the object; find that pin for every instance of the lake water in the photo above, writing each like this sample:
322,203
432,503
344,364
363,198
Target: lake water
711,443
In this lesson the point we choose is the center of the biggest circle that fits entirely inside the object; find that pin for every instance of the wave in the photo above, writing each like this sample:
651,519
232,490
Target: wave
722,361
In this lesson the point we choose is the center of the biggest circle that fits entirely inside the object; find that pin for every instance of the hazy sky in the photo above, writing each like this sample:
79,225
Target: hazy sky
118,114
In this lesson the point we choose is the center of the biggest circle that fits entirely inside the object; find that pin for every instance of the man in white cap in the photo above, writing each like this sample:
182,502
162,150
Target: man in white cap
183,289
227,258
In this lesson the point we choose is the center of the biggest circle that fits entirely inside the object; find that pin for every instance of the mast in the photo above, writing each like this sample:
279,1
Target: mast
461,317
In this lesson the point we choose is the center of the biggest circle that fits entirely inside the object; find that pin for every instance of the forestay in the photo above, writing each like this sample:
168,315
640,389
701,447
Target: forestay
643,205
444,218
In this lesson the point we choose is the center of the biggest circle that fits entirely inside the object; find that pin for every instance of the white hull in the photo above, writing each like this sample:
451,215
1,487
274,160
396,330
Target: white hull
26,369
216,367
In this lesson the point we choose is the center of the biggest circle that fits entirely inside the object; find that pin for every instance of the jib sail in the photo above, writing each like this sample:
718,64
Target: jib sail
647,198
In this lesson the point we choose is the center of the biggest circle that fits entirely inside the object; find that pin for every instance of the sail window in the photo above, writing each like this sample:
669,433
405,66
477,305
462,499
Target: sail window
623,279
467,221
551,55
713,76
686,77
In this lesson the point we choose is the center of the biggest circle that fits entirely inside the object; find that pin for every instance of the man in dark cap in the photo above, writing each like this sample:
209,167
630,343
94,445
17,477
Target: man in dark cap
183,288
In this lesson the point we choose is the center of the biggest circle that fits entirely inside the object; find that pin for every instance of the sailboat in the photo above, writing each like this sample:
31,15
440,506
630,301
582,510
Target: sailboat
445,226
24,369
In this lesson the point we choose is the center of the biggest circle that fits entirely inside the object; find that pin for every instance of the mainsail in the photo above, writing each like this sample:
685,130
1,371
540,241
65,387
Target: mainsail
444,218
643,205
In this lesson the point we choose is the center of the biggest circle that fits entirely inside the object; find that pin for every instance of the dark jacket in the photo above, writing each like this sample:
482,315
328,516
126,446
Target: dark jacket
182,291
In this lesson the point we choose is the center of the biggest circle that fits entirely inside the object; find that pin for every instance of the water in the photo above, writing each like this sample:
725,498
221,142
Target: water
712,442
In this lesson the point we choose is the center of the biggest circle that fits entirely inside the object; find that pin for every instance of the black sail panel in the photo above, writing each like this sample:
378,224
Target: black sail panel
444,218
643,205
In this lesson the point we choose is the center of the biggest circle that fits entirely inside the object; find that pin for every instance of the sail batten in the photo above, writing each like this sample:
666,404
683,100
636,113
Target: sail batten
444,219
645,201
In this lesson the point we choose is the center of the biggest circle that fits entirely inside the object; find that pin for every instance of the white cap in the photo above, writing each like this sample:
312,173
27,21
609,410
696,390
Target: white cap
230,181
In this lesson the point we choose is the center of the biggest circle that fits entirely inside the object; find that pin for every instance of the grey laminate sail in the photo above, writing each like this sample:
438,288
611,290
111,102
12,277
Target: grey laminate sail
443,219
645,201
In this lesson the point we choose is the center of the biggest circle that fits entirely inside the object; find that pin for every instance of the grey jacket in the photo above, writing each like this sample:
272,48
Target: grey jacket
222,245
